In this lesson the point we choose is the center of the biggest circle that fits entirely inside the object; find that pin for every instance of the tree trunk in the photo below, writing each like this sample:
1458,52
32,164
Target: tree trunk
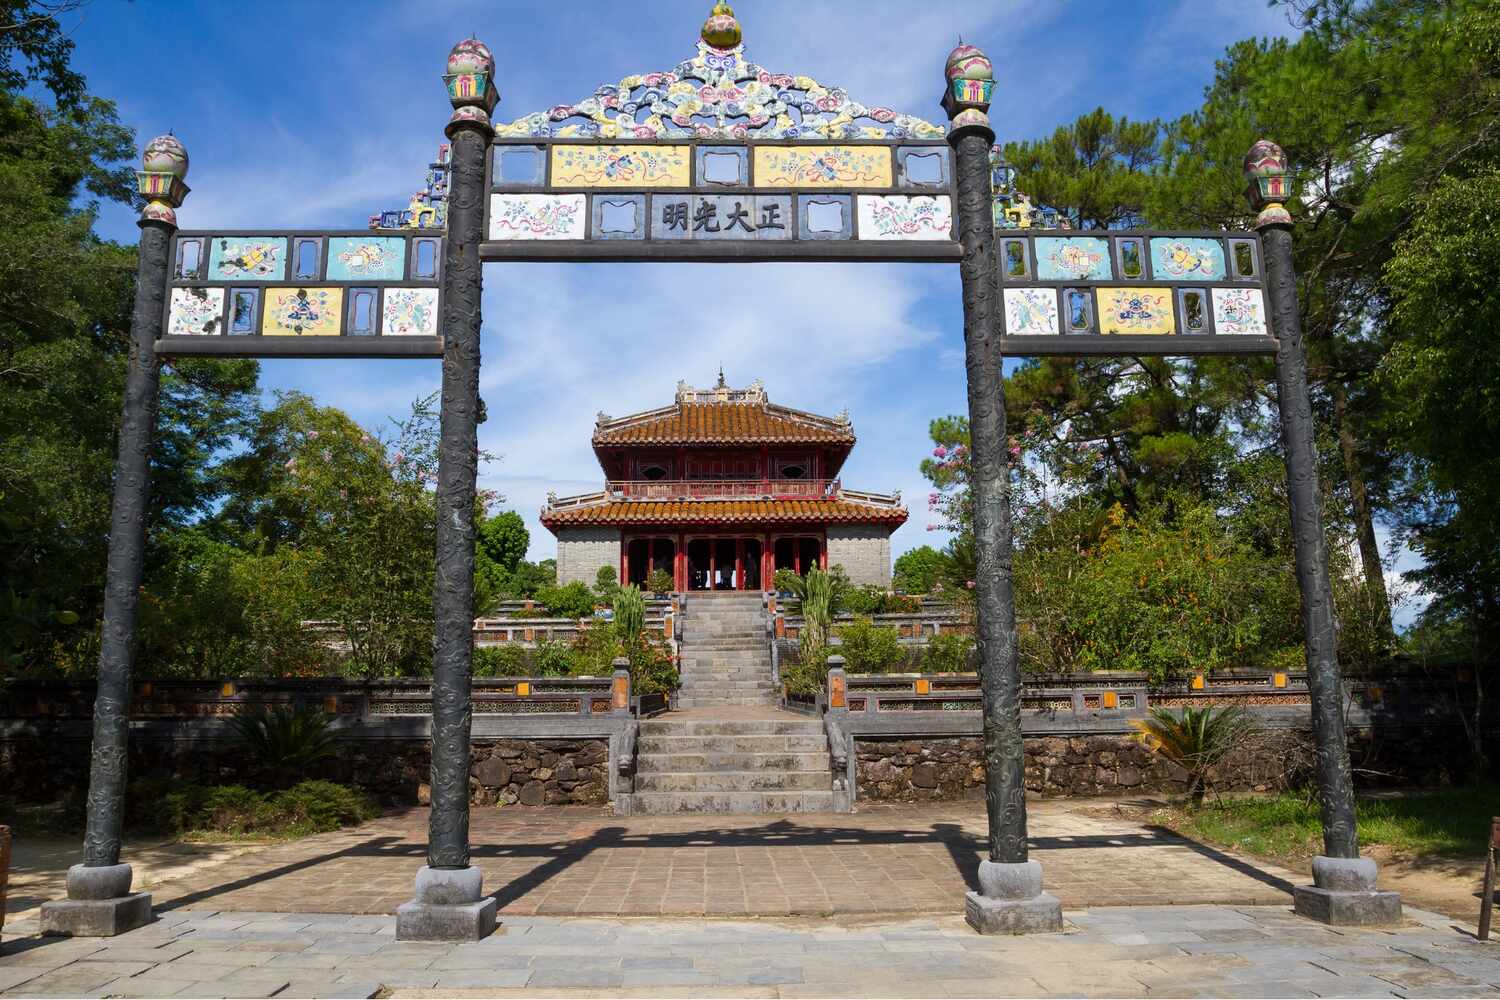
1364,521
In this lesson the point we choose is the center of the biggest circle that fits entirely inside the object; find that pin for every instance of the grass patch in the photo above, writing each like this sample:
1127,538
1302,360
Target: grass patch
1448,822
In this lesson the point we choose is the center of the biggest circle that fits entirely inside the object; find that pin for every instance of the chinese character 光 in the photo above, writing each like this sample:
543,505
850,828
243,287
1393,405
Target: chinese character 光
703,217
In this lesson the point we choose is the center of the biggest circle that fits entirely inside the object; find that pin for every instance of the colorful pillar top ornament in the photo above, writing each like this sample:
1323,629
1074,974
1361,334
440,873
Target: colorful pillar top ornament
1268,187
471,85
971,84
721,30
164,164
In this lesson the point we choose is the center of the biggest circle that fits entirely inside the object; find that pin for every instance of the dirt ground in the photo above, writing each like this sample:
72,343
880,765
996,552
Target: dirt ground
1448,885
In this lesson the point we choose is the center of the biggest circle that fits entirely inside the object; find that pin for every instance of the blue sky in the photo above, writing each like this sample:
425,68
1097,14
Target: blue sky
317,114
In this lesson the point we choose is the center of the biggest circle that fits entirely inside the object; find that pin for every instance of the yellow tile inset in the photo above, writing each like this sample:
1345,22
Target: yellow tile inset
1136,311
302,312
822,166
621,166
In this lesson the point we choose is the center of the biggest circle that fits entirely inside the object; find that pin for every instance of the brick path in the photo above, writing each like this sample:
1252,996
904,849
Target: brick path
885,859
1209,951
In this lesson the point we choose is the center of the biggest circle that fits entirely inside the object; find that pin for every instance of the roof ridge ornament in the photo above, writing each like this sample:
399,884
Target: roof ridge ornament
719,94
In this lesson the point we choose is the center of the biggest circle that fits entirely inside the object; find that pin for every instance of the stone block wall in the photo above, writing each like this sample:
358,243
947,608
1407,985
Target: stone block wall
581,551
529,772
864,550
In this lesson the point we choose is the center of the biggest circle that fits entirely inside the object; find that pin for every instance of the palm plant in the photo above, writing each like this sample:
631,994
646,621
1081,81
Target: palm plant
1196,739
285,741
630,613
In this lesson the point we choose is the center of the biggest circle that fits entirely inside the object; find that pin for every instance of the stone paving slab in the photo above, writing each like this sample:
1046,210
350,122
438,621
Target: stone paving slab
579,860
1260,951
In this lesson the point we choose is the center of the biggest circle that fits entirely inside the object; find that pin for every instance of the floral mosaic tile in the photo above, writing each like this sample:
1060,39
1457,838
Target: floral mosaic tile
903,217
302,312
538,216
410,312
1031,312
196,312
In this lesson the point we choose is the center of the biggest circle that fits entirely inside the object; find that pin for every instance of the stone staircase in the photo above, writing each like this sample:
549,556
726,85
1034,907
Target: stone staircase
754,766
725,656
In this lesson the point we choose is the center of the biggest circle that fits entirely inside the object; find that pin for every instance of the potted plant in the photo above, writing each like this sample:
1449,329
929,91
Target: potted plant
659,582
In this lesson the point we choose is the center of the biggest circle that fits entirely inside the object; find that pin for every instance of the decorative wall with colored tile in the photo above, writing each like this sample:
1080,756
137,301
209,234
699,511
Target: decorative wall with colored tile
672,193
319,285
1059,287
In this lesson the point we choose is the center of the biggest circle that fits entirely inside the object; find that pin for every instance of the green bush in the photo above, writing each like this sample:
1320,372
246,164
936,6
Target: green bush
864,600
574,600
787,582
306,808
659,581
319,806
508,660
817,615
869,648
948,653
606,582
554,658
285,741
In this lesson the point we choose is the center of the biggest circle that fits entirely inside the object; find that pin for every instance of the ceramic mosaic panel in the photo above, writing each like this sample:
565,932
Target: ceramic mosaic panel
366,258
1072,258
1240,312
248,258
822,166
1184,258
196,312
621,166
1136,311
905,217
302,312
538,216
1031,312
410,312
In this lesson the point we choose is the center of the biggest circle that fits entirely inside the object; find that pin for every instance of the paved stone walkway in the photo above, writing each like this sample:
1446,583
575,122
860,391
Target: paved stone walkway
887,859
1208,951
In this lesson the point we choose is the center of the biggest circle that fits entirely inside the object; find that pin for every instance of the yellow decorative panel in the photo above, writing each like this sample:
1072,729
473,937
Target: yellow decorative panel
621,166
1136,311
302,312
822,166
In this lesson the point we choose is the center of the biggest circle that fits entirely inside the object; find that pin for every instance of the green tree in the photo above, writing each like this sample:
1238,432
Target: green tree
919,570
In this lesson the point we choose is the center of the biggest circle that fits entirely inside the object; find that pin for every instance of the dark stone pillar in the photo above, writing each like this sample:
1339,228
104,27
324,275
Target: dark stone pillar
449,904
1344,884
99,901
1011,898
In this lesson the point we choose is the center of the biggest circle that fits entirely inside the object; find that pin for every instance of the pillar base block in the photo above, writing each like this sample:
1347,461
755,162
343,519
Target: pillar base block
445,921
1345,908
96,917
1041,914
449,906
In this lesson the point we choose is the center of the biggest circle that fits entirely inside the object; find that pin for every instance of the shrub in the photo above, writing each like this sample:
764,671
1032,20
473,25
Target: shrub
787,582
509,660
871,649
651,668
948,653
1196,739
606,582
305,808
630,612
659,581
864,600
553,658
573,600
817,615
318,806
285,741
839,588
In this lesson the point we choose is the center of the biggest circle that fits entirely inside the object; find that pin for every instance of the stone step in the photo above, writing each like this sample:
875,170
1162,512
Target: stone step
735,781
679,745
696,634
730,727
758,701
690,686
731,803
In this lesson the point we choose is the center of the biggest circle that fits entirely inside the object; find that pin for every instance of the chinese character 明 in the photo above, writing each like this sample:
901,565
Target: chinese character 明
703,217
674,215
739,217
770,216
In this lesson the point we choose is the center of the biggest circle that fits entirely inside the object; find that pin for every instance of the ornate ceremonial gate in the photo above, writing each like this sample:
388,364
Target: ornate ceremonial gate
716,160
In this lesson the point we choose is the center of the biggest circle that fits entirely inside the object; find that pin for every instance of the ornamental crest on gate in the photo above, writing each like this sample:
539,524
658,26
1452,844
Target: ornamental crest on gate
719,94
